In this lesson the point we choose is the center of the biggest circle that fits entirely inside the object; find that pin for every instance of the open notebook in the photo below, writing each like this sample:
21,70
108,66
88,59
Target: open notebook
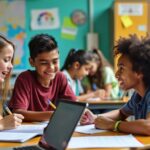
22,133
60,127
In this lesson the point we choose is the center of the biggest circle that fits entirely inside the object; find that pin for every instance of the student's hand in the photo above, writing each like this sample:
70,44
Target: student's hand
87,118
104,123
11,121
100,93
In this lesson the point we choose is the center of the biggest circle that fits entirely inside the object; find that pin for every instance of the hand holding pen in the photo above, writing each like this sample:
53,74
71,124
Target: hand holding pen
11,120
7,110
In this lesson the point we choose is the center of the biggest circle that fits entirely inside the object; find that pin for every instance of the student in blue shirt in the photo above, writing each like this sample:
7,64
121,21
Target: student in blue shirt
77,66
133,73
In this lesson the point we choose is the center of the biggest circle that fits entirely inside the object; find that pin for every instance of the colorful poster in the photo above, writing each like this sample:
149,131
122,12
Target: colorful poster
44,19
12,25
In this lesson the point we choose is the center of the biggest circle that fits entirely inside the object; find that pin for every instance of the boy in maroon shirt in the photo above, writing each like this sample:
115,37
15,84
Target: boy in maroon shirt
34,89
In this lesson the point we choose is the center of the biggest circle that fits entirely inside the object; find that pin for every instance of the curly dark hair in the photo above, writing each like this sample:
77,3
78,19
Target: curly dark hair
137,49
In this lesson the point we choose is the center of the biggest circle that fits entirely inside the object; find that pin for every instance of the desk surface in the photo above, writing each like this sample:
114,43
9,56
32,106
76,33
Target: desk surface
106,104
143,139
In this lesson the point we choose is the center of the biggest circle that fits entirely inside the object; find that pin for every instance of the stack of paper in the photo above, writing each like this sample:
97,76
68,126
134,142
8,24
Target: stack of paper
16,137
22,133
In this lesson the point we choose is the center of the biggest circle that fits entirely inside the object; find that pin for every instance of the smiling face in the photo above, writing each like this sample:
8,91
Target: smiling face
46,65
6,56
126,76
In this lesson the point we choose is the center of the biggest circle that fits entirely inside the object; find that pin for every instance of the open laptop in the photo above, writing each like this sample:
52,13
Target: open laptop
60,127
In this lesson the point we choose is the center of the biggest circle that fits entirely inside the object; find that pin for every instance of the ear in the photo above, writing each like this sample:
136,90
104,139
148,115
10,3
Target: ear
140,75
76,65
31,62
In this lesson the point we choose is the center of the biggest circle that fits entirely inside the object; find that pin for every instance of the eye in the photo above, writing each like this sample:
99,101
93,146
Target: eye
121,69
43,63
55,61
8,59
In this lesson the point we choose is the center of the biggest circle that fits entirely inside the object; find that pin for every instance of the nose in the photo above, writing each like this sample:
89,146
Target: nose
87,72
10,66
51,66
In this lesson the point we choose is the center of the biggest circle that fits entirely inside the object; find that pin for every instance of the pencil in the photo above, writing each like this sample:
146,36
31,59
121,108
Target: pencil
8,110
51,104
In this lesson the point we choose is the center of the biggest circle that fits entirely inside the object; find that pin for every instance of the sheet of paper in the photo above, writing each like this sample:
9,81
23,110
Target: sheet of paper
102,141
28,129
94,99
43,123
88,129
16,137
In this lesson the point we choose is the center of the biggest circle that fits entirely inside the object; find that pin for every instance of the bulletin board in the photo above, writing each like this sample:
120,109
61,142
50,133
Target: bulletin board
130,16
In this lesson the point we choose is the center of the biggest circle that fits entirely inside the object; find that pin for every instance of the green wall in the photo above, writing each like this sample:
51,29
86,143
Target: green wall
103,24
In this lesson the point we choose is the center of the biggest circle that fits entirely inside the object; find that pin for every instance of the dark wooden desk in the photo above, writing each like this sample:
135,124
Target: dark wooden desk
106,104
143,139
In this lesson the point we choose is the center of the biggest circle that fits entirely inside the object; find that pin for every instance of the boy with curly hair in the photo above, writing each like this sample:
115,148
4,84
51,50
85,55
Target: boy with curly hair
133,73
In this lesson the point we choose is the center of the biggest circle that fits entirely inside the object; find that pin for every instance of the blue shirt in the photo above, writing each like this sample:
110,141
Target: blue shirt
74,84
138,106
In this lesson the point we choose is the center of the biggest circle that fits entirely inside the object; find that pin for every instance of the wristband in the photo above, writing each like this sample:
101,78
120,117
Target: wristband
116,127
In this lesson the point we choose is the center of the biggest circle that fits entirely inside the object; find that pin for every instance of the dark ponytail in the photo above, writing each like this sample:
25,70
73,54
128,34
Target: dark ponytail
81,56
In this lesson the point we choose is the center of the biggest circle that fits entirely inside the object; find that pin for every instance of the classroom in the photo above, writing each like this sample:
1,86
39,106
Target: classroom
89,56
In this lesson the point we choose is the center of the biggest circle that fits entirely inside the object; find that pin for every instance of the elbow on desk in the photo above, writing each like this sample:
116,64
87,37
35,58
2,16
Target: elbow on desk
146,127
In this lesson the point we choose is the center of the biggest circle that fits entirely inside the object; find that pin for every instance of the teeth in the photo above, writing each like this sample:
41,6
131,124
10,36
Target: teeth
49,73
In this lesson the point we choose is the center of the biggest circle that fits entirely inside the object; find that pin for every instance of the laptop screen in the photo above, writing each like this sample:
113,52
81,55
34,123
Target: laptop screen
62,124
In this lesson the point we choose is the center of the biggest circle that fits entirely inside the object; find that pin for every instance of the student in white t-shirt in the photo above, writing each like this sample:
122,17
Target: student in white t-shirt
101,76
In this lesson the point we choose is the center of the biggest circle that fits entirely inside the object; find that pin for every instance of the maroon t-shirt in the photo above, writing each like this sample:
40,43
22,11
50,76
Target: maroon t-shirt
29,94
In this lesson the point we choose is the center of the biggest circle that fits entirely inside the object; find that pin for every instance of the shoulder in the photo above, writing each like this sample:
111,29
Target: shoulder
65,72
108,69
67,75
134,98
60,75
26,75
147,95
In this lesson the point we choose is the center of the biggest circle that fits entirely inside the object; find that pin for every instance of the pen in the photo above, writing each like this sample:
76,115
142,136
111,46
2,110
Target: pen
51,104
8,110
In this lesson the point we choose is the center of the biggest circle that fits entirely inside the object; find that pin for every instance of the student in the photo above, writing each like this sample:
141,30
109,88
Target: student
133,72
6,55
35,89
101,76
77,66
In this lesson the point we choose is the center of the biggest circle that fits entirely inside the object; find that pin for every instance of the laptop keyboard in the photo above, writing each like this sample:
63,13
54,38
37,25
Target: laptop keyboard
27,148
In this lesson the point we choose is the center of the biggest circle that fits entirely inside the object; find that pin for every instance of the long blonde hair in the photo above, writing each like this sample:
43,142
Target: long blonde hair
5,85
